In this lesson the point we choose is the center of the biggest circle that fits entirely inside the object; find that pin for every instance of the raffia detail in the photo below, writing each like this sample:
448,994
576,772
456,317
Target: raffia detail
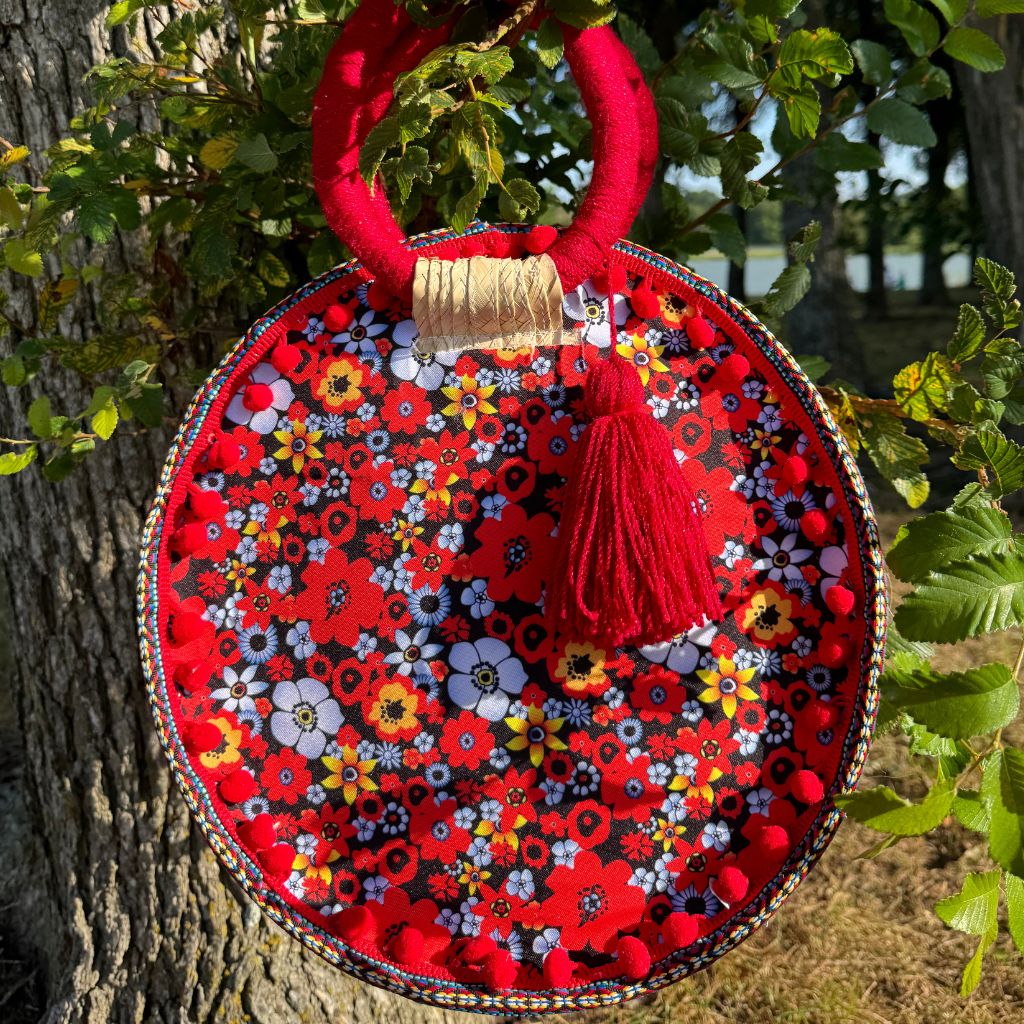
487,303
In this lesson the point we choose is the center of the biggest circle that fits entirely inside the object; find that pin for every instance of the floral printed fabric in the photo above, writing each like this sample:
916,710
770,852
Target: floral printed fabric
381,665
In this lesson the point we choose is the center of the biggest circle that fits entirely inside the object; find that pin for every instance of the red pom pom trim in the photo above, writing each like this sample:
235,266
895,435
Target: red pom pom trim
645,303
202,737
794,471
407,946
189,539
540,238
277,861
700,332
354,924
558,968
378,296
680,930
184,627
204,504
192,676
337,318
257,397
499,970
732,370
224,454
634,958
259,833
840,600
237,787
285,358
731,885
833,653
814,525
807,787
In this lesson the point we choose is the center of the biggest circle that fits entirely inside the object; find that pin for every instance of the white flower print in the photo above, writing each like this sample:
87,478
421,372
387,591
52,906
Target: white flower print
484,673
588,306
264,421
833,562
782,559
306,716
682,653
425,369
239,689
414,653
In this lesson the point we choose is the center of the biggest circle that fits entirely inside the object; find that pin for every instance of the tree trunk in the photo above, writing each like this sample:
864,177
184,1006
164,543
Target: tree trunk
994,105
116,897
945,118
877,298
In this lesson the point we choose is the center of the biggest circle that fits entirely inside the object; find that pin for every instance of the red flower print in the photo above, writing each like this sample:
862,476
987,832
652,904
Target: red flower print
723,511
285,776
691,435
626,788
515,553
339,600
499,910
658,695
518,794
593,901
466,740
589,823
405,408
259,604
396,911
711,745
432,828
551,445
452,454
373,494
332,830
397,861
430,564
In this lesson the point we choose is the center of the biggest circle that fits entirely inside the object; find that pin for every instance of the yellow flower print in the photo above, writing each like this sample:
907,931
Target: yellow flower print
535,733
764,441
238,572
767,615
643,355
581,670
226,752
468,398
494,834
349,774
394,710
298,444
471,876
406,533
339,387
670,836
675,311
726,684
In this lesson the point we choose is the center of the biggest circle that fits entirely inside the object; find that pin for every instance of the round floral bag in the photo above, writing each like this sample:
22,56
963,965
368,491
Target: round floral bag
511,606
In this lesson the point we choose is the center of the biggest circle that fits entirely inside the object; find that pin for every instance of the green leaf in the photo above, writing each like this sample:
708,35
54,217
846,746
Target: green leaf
382,136
212,250
39,416
935,540
813,54
256,154
966,598
972,46
923,82
788,289
583,13
957,705
1006,836
218,152
147,405
104,420
975,908
803,110
523,195
1001,458
998,293
640,45
549,43
15,462
815,367
882,810
971,810
272,269
971,977
740,155
803,245
921,388
727,238
952,10
918,26
874,61
838,153
22,259
897,456
899,121
1014,887
993,8
969,335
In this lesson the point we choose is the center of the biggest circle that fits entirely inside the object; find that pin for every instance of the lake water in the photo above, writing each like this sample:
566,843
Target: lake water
903,271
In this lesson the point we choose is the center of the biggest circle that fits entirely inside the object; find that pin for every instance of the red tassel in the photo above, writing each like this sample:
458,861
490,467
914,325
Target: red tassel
633,567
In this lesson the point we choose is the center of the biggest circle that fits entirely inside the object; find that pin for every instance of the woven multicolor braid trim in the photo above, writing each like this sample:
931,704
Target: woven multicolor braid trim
814,827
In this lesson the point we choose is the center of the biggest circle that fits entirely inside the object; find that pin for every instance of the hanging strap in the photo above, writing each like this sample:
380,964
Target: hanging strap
379,42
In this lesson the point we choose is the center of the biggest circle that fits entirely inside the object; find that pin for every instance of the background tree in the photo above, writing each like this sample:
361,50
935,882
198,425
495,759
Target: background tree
152,210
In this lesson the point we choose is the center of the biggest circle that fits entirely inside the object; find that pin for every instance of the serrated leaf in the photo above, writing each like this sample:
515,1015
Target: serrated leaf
12,157
923,82
803,110
921,387
1006,836
22,259
1000,458
874,61
549,43
897,456
524,195
583,13
212,249
218,152
983,594
804,244
838,153
969,335
975,908
256,154
272,269
935,540
972,811
973,47
382,136
884,811
39,416
739,156
15,462
957,705
993,8
998,292
727,238
788,289
813,54
814,366
1014,889
147,405
681,130
640,44
952,10
899,121
104,420
1002,372
918,26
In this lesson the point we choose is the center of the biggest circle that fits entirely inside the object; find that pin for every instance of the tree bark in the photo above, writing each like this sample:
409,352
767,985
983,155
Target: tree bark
113,893
994,106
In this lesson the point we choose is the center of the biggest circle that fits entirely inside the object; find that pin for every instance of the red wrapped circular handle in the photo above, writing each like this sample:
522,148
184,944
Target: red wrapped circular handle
379,42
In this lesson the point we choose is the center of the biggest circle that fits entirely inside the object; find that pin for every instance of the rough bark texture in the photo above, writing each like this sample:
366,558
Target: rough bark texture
994,105
108,888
